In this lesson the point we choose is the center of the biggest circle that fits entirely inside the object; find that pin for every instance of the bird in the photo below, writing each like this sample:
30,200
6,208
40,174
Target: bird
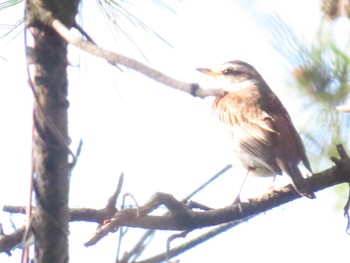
261,131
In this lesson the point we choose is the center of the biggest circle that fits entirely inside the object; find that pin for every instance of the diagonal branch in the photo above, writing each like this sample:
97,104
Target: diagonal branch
183,218
114,58
190,244
61,29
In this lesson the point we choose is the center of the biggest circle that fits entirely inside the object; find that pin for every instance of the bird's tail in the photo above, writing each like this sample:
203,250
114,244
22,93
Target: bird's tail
299,182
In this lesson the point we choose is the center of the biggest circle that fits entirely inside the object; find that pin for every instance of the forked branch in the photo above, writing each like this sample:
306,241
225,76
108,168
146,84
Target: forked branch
182,217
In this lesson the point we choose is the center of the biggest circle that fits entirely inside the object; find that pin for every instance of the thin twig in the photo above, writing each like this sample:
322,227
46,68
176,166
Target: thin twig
136,251
346,213
341,151
151,232
112,201
182,234
213,178
192,243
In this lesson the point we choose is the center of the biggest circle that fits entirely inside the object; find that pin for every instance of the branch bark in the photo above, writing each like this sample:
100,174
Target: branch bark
186,219
113,58
181,217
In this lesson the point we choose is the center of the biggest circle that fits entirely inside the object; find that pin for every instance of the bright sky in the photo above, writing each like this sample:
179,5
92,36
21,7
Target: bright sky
164,140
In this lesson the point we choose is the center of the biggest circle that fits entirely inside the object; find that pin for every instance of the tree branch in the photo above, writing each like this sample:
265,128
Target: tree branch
183,218
190,244
113,58
8,242
90,47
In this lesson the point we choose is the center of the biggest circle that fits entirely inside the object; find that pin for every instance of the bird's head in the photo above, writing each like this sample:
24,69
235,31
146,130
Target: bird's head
233,75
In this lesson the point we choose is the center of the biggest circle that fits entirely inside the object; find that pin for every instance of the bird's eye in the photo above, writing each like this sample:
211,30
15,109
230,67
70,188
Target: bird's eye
228,71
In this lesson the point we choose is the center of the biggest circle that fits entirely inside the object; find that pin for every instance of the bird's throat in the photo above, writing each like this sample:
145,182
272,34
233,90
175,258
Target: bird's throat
236,86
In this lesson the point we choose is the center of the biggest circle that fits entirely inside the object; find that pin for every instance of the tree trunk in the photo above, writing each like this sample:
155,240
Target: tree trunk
50,136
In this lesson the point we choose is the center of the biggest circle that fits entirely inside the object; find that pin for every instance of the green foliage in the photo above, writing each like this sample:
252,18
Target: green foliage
320,69
123,19
11,30
9,3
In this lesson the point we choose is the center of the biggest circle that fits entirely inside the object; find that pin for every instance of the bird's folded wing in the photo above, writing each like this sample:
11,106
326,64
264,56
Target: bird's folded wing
251,127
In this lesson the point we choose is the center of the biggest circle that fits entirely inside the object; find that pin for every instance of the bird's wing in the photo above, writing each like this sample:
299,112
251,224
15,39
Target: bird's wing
288,136
290,150
253,128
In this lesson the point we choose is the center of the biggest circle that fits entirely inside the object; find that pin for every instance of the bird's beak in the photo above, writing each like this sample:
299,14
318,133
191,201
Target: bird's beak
208,72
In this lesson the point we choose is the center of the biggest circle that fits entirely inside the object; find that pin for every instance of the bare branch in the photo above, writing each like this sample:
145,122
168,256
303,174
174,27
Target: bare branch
346,213
112,201
192,243
192,88
191,204
182,234
131,214
341,151
114,58
213,178
8,242
181,217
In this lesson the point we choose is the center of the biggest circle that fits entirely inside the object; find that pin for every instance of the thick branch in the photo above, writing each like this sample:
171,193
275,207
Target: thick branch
183,218
327,178
186,220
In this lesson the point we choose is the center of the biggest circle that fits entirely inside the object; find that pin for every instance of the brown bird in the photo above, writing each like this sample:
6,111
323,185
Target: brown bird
263,135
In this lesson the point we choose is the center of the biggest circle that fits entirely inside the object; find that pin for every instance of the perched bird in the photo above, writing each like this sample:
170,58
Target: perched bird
263,135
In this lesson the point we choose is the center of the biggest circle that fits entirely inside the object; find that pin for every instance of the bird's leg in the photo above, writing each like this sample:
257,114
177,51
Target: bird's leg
238,199
272,187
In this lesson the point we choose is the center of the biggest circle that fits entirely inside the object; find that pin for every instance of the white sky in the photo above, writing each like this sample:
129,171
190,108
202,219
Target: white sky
165,140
